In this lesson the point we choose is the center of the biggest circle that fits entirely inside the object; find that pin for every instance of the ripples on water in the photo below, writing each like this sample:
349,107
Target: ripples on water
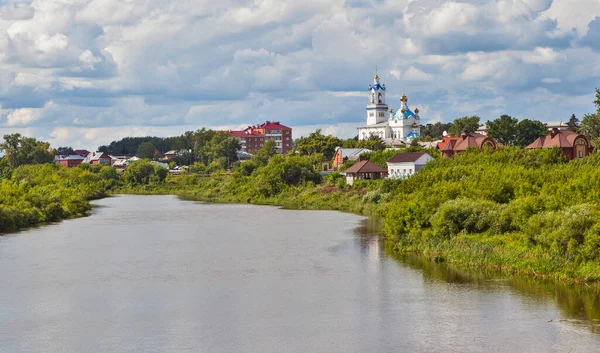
156,274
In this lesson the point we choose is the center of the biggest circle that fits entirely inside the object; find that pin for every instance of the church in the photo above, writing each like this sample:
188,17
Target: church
395,128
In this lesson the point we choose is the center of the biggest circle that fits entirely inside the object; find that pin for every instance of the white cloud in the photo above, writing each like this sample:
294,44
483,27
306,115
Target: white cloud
164,67
542,56
23,116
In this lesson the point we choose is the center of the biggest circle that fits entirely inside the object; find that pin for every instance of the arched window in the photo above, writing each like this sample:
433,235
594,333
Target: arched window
380,101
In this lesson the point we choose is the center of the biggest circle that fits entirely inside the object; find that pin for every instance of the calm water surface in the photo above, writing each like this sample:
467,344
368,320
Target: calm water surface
156,274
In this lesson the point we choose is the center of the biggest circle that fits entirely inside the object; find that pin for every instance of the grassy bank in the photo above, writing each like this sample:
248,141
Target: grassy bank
33,194
528,213
531,213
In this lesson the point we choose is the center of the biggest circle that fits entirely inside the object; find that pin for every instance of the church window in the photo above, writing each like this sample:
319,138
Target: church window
380,101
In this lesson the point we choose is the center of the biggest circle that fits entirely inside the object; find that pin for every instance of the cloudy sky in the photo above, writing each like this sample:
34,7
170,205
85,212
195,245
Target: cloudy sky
86,72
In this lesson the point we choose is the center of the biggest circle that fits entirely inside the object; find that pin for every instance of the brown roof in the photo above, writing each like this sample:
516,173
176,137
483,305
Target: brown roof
445,141
558,138
465,141
406,157
473,140
365,167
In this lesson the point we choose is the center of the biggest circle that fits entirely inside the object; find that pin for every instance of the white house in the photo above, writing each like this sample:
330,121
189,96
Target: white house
403,165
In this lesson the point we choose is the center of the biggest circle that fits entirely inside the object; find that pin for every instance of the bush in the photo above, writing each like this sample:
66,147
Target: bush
470,216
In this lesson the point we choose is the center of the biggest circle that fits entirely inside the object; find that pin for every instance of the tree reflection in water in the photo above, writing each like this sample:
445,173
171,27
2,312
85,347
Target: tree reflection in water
579,303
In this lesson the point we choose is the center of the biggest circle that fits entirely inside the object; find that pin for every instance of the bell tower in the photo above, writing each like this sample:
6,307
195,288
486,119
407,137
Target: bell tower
376,107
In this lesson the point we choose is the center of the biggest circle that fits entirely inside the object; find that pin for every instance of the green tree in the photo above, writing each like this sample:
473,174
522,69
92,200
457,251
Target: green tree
146,150
503,129
262,156
374,143
65,151
573,124
144,172
434,131
5,169
21,150
316,142
590,124
469,123
528,131
216,146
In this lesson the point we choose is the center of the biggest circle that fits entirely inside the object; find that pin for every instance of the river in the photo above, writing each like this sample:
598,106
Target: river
158,274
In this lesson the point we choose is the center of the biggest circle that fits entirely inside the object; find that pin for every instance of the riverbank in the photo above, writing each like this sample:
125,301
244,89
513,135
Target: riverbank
38,194
532,214
529,213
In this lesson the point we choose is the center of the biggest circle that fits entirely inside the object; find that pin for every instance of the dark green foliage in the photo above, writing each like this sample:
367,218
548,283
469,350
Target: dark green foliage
503,129
65,151
468,123
528,131
5,168
20,150
573,124
434,132
146,150
129,145
590,125
317,143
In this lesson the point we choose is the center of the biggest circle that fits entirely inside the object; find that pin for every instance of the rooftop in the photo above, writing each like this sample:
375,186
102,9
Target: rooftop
365,167
406,157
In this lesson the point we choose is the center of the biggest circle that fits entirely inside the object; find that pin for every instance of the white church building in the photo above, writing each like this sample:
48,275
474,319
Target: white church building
400,126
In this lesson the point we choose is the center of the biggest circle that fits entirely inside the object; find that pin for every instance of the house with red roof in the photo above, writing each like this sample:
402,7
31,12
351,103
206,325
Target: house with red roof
572,144
364,170
456,145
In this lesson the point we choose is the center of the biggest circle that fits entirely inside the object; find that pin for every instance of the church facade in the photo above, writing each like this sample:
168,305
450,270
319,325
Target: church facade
395,127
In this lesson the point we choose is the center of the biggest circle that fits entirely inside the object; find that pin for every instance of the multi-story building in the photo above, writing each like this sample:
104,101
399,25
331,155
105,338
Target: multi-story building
253,137
250,139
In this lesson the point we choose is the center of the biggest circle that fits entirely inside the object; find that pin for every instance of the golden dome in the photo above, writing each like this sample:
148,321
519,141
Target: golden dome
417,111
392,110
404,98
402,110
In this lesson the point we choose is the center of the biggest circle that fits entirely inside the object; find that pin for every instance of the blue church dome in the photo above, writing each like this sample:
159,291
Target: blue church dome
412,135
376,87
406,114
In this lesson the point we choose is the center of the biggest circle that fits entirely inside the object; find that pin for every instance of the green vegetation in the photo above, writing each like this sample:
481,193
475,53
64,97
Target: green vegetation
525,212
36,194
32,194
20,150
512,132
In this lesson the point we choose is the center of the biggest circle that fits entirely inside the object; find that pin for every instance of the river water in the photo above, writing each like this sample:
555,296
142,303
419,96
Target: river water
157,274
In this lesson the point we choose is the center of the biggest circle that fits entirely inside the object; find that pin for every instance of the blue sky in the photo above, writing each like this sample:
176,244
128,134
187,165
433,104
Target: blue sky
86,72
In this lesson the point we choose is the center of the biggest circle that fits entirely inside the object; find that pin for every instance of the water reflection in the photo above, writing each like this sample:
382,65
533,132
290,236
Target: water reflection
579,304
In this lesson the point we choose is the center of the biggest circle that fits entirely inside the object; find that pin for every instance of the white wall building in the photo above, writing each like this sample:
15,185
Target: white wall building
406,164
403,125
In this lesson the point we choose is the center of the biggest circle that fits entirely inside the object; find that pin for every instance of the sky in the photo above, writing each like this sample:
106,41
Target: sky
83,73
